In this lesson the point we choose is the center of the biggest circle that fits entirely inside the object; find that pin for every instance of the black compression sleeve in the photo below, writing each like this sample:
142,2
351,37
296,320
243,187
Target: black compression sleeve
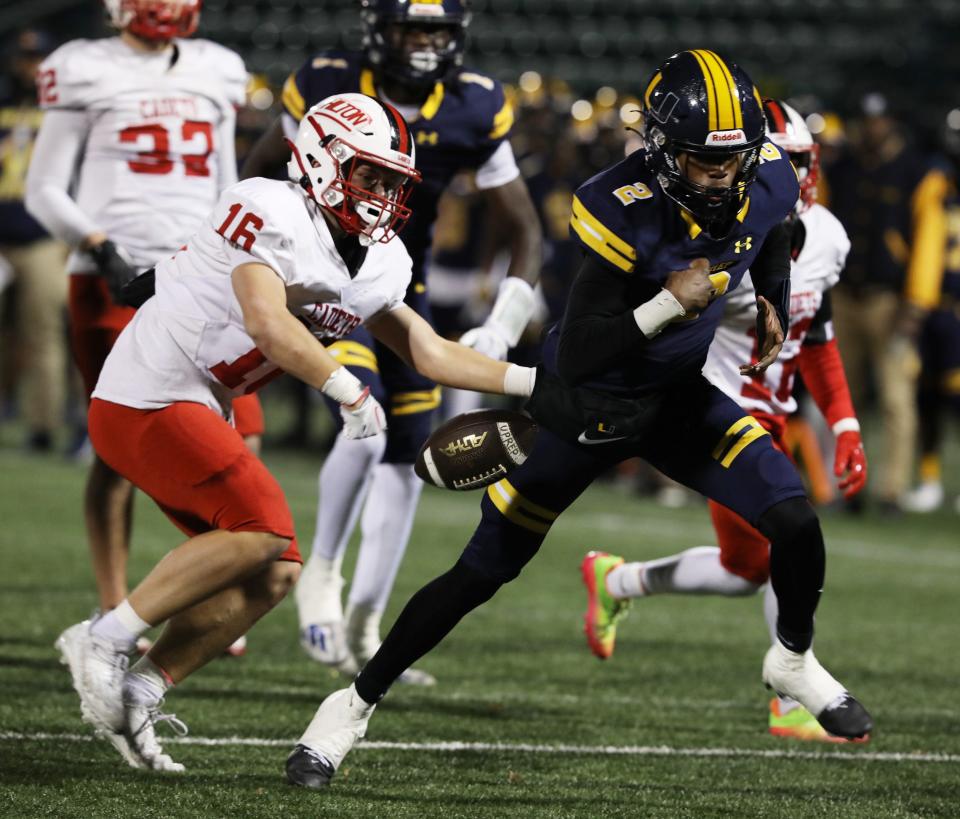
770,272
817,334
598,326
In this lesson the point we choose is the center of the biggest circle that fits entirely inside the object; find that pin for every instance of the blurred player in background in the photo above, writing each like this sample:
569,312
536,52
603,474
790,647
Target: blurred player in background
460,120
741,563
144,122
274,269
664,233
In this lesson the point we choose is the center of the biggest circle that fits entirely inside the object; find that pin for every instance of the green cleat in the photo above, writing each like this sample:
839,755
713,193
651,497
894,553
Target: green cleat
799,723
603,610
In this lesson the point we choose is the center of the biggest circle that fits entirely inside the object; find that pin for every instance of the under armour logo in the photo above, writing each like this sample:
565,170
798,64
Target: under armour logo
742,245
427,137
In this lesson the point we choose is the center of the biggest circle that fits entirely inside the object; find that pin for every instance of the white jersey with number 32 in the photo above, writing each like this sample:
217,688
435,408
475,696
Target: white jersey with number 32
189,342
159,140
815,271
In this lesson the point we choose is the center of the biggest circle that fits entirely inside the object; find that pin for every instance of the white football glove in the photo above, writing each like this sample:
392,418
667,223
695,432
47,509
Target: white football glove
487,341
504,326
365,420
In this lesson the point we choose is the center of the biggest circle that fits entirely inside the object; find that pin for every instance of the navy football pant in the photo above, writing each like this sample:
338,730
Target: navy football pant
701,439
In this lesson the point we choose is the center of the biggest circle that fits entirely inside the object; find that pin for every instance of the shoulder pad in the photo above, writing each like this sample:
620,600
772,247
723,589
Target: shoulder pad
223,63
488,103
326,73
70,76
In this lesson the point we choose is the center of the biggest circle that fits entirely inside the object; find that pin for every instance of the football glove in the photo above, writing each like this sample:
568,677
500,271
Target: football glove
114,266
850,463
365,420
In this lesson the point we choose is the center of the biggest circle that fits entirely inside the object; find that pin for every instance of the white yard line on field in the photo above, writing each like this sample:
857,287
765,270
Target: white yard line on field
853,755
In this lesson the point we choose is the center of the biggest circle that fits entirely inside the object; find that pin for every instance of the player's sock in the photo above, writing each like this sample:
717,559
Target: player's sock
145,683
426,619
624,581
797,563
694,571
121,626
386,523
770,609
344,482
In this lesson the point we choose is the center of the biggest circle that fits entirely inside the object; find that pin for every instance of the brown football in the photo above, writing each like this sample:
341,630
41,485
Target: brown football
476,449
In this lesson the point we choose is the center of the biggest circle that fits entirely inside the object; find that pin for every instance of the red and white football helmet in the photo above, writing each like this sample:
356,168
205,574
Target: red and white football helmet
787,130
337,136
155,19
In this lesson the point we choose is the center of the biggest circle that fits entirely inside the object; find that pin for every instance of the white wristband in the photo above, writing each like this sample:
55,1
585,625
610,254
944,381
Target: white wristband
343,386
846,425
519,380
512,310
652,316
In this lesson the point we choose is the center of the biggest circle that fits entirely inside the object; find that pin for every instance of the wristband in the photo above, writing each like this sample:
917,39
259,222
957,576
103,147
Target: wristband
519,380
652,316
845,425
343,387
512,310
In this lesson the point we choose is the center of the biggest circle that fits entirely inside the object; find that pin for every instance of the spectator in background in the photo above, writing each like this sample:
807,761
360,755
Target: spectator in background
33,261
890,201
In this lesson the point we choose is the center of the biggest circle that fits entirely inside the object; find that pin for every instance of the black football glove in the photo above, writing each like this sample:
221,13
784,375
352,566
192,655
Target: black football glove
135,293
113,267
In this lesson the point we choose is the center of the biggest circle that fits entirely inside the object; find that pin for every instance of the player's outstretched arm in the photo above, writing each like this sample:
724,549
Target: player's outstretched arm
447,362
291,346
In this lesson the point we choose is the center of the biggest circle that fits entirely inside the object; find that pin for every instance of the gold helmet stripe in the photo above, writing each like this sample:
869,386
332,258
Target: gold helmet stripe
711,91
732,86
651,87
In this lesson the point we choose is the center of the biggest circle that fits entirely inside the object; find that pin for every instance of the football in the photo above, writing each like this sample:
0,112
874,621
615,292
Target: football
476,449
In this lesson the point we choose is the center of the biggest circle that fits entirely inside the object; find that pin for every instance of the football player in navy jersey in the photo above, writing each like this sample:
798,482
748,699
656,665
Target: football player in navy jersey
665,234
460,119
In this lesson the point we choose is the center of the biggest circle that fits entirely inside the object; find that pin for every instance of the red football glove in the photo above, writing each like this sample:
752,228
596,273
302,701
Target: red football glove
851,463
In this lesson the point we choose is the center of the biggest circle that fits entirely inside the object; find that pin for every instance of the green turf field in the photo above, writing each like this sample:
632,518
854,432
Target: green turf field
673,725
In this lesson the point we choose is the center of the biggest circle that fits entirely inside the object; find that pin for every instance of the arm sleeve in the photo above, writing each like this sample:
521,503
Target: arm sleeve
52,165
821,328
770,272
822,372
599,324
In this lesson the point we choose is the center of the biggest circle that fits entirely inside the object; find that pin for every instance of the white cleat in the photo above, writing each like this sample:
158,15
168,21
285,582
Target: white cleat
97,668
801,677
340,721
363,641
927,497
320,611
140,722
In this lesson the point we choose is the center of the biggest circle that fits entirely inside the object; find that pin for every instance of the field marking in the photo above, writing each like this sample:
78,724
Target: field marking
528,748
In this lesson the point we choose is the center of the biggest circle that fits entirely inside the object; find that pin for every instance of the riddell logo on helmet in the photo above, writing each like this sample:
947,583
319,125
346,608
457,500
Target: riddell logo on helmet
737,137
348,112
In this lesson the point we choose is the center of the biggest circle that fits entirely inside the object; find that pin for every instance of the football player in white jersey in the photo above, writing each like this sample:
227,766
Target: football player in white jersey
276,268
740,565
137,143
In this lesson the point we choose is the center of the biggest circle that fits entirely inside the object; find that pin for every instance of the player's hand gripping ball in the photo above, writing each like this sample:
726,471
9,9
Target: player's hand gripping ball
476,449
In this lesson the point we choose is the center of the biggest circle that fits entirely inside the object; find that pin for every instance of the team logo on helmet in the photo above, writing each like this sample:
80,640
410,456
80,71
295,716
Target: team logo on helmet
787,130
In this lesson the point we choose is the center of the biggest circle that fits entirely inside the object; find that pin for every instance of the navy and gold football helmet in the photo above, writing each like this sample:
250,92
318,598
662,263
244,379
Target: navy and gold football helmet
422,67
699,103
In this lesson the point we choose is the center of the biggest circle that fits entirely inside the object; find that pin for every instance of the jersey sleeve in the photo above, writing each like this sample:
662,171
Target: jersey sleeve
250,227
234,74
599,226
319,77
837,248
492,114
295,91
69,78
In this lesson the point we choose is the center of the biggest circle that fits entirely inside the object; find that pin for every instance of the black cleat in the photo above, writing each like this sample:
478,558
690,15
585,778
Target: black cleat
847,718
309,769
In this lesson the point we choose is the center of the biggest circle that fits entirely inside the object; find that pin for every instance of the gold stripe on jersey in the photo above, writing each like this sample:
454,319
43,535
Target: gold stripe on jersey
601,239
693,229
652,87
927,257
517,509
502,121
951,382
366,83
410,403
740,435
353,354
292,99
429,109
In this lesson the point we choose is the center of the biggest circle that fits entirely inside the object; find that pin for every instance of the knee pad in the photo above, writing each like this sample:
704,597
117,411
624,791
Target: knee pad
790,521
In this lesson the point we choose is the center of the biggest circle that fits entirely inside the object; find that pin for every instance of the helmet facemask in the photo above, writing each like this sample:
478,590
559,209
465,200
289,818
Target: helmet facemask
155,20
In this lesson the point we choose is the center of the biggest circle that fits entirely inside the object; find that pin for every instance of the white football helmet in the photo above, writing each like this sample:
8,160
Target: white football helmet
787,130
341,134
155,19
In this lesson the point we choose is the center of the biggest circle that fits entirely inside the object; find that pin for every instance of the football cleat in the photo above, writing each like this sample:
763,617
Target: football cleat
604,611
926,497
799,723
339,722
363,641
140,721
320,611
801,677
97,668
